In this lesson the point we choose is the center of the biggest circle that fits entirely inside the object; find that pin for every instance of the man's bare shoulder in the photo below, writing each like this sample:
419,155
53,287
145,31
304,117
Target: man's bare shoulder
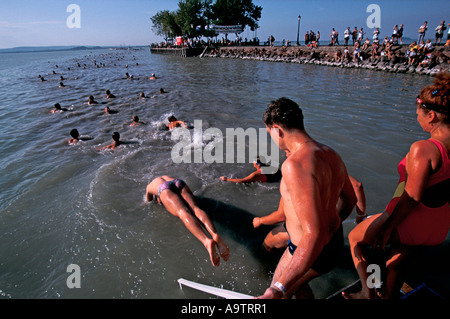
298,164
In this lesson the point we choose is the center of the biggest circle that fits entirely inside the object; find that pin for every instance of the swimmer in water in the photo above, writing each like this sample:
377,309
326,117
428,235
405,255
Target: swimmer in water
256,176
109,111
173,123
116,142
75,137
91,100
136,121
58,109
61,84
153,77
178,199
109,95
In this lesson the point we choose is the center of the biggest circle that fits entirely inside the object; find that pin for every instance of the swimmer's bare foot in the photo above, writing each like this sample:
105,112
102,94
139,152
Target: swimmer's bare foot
211,248
223,249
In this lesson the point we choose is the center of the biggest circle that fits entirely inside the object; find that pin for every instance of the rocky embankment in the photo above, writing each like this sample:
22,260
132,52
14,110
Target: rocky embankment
326,55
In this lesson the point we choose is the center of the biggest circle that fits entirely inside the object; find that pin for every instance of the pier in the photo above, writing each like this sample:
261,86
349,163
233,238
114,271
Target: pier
183,51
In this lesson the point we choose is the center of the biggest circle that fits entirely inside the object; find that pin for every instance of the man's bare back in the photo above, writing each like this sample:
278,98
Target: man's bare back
314,181
321,172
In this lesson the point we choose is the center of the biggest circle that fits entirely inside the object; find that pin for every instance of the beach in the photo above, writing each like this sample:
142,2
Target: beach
72,204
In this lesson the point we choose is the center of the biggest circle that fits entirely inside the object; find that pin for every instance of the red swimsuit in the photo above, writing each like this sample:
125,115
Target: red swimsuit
424,225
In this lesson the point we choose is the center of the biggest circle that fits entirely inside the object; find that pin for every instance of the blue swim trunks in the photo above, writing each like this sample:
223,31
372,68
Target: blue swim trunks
330,254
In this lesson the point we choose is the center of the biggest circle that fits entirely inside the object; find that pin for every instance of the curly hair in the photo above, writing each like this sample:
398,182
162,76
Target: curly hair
284,112
435,97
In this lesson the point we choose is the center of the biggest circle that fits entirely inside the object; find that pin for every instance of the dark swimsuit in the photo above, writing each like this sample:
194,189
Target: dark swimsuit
330,254
175,186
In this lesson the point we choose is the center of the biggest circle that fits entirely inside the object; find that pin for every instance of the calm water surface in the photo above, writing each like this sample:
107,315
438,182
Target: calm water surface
63,205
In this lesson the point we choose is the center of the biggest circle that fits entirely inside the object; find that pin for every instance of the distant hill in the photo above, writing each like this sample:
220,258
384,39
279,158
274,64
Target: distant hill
51,48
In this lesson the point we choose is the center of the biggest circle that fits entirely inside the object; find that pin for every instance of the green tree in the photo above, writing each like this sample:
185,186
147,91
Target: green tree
192,14
165,25
236,12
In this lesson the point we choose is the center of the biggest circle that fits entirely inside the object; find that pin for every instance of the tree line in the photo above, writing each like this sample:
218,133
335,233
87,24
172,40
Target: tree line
194,18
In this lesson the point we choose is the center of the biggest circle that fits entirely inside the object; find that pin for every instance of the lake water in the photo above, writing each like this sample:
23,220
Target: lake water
63,205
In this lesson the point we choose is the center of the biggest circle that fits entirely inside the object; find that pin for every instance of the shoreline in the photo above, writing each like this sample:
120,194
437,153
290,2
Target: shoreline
325,55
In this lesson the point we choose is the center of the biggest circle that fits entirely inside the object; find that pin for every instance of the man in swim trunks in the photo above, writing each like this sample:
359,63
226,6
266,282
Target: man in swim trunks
178,199
314,180
278,237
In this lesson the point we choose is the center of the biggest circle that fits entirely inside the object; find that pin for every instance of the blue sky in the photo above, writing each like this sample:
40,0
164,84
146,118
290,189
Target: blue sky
126,22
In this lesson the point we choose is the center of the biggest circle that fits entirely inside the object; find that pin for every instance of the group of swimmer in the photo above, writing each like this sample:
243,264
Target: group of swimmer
318,194
75,135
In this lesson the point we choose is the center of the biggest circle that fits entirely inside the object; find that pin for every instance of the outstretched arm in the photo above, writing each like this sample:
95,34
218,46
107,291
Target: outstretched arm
253,177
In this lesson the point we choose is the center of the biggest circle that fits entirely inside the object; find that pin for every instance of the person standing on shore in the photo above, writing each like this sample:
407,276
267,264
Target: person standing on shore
314,180
394,36
419,213
306,38
333,37
347,33
361,35
440,32
423,28
400,34
354,35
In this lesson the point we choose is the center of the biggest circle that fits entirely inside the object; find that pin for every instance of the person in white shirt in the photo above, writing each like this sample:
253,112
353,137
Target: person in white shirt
422,30
347,33
439,32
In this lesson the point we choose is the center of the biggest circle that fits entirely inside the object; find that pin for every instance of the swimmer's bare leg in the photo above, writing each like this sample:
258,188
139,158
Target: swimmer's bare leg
207,222
177,207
